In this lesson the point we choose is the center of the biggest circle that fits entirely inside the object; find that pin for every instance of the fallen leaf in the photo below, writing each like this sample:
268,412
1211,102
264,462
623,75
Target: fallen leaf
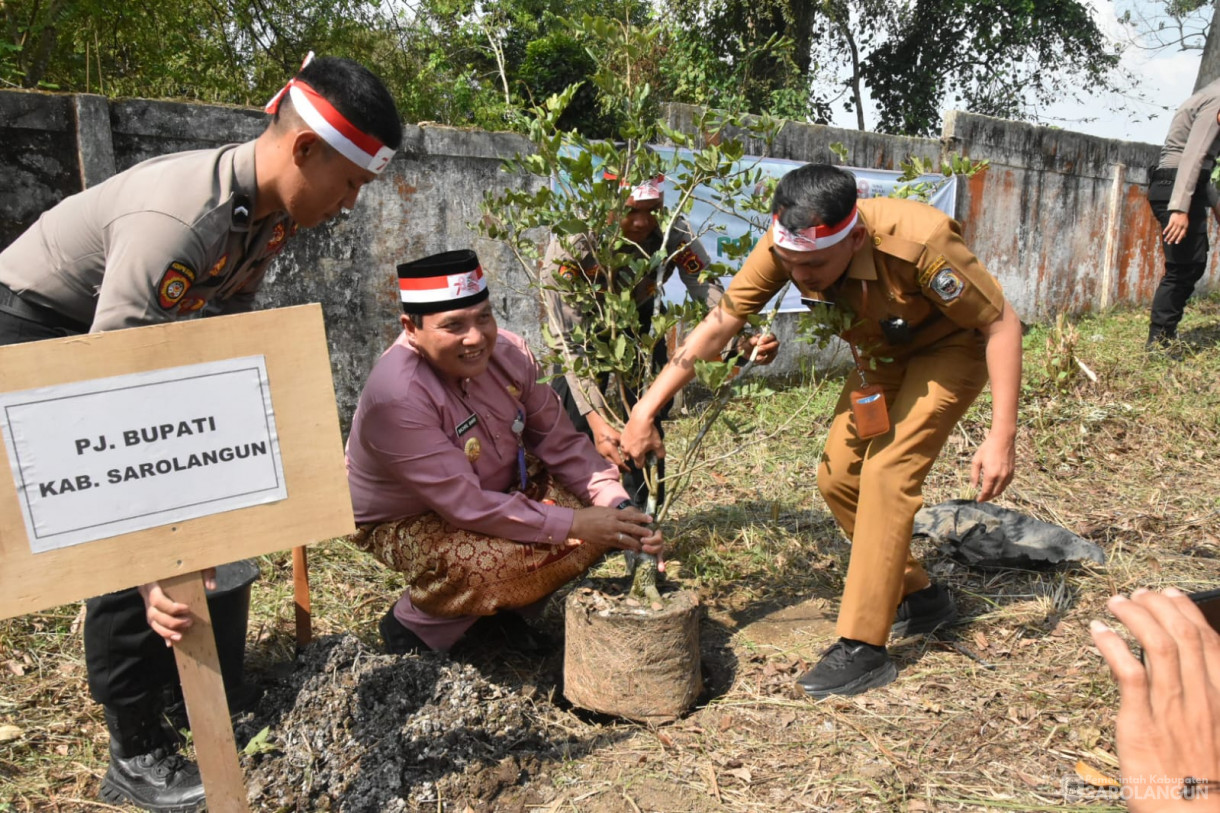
980,640
726,722
665,739
1031,780
10,732
1094,777
741,773
16,668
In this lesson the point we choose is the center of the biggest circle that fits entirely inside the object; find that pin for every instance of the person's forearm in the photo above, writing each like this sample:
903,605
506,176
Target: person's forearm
705,342
1004,370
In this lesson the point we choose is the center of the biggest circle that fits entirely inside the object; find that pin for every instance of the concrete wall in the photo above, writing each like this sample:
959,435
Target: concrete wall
1059,217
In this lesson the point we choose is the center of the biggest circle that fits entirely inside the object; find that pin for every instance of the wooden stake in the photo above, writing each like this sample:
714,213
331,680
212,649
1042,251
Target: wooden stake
300,592
206,703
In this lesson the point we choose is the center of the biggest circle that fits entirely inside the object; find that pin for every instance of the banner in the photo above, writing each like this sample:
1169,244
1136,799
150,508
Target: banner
719,228
720,225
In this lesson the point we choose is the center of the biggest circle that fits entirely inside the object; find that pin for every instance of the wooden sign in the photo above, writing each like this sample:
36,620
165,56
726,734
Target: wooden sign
159,451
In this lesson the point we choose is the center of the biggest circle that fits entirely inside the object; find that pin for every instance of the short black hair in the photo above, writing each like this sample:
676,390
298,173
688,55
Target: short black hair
815,194
358,94
417,319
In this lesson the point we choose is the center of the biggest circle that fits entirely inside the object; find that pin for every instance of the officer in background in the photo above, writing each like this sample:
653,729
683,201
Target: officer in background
928,326
1180,192
572,261
169,237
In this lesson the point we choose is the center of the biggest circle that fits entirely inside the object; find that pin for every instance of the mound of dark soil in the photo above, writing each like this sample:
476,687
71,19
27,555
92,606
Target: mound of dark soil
355,730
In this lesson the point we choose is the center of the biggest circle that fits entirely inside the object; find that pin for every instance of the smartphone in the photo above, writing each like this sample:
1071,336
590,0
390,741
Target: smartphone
1209,603
811,303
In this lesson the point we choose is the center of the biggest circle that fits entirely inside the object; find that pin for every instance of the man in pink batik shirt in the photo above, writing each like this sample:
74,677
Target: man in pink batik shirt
466,474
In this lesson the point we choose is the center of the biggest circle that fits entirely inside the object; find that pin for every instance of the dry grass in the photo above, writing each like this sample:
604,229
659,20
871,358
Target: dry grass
992,716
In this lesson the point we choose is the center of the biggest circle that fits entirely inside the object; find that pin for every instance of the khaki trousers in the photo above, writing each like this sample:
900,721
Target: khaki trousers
875,487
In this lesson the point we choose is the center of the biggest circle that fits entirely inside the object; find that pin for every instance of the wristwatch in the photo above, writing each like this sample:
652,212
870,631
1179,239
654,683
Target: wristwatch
625,504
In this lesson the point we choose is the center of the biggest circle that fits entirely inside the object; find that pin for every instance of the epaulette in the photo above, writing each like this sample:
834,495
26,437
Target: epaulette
907,250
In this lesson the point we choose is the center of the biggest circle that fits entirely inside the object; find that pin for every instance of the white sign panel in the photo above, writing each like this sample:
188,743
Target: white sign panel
95,459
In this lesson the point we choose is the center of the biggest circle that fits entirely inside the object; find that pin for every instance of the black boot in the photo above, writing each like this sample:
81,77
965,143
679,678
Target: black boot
145,769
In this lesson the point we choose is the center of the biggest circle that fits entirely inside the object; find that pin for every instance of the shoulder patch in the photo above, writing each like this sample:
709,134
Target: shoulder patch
947,285
688,260
174,284
926,274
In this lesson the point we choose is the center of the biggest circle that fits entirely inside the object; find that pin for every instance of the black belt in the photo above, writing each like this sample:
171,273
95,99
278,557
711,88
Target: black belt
1171,174
14,305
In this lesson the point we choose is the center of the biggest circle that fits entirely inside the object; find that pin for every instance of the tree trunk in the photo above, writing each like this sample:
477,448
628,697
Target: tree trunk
1209,67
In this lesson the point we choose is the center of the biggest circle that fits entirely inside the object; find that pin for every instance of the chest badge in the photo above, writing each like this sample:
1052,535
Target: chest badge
473,449
513,390
219,266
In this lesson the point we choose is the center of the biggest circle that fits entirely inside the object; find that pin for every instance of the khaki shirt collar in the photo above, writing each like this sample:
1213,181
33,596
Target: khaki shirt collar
862,265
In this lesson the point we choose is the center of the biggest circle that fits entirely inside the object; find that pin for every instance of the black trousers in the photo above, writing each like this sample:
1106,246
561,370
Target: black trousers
1185,262
129,666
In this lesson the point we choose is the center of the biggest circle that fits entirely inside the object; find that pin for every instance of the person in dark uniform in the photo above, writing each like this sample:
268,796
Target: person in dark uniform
1181,193
170,237
929,327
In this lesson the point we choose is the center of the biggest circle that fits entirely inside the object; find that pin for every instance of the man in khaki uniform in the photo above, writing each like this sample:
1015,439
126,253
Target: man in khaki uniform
167,238
930,326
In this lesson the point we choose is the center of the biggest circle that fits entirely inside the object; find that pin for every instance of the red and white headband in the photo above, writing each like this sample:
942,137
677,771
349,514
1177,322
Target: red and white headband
813,238
357,146
442,282
646,190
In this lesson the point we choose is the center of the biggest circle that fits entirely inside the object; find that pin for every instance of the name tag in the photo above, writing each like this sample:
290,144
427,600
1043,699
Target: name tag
468,424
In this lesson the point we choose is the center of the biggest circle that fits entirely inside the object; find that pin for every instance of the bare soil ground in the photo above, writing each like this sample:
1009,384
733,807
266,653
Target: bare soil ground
994,714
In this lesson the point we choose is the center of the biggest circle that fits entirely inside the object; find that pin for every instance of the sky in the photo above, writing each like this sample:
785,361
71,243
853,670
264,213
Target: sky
1161,80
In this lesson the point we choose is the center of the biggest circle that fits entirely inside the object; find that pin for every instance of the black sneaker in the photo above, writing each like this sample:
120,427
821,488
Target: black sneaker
397,639
924,611
847,668
160,781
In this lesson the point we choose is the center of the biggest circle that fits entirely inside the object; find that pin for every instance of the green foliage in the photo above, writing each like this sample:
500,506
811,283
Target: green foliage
915,168
484,64
1060,357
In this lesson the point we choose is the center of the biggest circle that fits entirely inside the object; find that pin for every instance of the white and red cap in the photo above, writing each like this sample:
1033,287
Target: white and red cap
357,146
813,238
442,282
646,190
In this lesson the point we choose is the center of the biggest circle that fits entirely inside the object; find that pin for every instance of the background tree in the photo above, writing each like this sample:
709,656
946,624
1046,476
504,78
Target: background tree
483,63
1176,25
999,57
